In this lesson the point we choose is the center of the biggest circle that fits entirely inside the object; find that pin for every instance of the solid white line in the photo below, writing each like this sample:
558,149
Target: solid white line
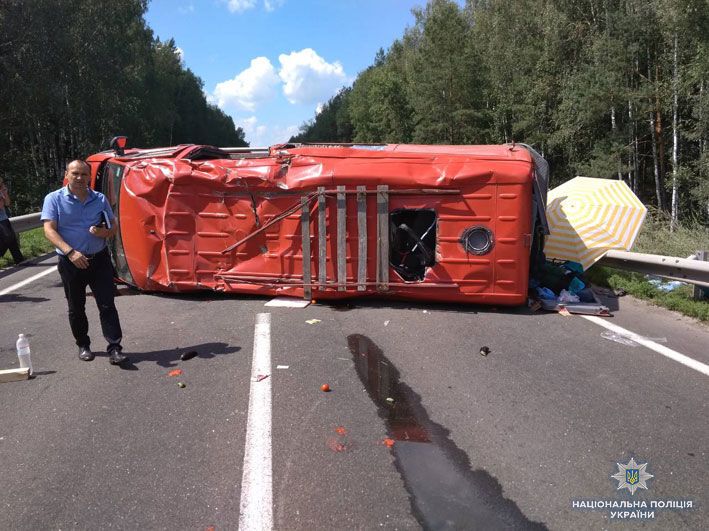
28,280
660,349
256,507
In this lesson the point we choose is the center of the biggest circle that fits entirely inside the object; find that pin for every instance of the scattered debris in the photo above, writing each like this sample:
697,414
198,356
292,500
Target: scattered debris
287,302
664,286
188,355
546,294
608,292
618,338
281,366
386,323
175,372
425,311
630,340
576,285
313,321
567,296
336,445
534,304
325,388
181,385
14,375
484,351
259,377
390,400
388,442
574,293
341,430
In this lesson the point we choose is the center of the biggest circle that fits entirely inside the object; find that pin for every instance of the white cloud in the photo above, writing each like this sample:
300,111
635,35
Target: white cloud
260,135
184,10
239,6
272,5
180,53
308,78
282,133
250,87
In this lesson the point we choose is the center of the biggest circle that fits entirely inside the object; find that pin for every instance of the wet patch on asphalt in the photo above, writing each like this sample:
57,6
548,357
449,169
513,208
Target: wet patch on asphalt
444,490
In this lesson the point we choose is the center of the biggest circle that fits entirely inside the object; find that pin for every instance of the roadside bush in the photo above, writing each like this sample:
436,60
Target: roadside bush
655,236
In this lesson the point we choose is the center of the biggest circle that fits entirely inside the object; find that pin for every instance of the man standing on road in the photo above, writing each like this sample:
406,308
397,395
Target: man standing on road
77,221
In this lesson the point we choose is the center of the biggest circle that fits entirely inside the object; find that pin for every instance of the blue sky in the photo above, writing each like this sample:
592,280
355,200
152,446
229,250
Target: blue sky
270,63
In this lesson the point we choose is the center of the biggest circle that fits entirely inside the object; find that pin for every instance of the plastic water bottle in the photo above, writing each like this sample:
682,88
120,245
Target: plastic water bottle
23,352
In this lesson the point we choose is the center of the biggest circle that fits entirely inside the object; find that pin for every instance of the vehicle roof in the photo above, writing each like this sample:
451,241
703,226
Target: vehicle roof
189,151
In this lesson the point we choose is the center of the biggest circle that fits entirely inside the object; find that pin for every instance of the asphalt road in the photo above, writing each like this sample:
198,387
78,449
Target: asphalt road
419,430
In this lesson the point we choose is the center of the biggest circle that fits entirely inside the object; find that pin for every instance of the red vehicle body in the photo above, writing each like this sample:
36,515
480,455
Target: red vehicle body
438,223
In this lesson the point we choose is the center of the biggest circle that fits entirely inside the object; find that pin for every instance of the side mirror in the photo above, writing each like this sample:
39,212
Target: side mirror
118,144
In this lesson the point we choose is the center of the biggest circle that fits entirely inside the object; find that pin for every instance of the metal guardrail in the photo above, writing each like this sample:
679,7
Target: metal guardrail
685,270
26,222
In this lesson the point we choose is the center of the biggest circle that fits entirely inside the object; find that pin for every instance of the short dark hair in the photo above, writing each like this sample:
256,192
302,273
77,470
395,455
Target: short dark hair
80,161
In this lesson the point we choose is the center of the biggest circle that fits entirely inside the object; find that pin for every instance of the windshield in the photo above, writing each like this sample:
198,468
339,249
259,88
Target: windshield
110,185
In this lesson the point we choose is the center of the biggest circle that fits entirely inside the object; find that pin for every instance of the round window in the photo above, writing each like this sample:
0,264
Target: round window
477,240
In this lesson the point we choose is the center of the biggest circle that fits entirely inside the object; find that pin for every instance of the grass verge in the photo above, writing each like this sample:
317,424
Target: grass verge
679,300
32,243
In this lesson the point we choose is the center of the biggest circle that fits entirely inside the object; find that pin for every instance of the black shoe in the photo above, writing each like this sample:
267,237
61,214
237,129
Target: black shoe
85,354
116,357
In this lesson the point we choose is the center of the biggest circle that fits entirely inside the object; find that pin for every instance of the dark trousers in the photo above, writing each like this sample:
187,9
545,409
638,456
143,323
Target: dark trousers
99,277
8,240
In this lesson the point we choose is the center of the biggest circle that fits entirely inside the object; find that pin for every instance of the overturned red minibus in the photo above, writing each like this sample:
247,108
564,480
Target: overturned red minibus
328,221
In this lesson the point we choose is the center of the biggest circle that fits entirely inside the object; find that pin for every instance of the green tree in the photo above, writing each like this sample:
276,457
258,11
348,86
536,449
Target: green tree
444,77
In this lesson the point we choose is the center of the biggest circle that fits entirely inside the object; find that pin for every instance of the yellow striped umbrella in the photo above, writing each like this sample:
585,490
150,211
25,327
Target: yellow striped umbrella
588,217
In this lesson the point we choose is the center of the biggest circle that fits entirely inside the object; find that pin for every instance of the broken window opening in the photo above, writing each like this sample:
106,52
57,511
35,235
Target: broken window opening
412,248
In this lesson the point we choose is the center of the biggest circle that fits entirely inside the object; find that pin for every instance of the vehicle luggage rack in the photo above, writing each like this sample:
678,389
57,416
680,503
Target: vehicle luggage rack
307,282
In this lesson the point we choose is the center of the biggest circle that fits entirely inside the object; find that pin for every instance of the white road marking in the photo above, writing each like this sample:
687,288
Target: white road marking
28,280
652,345
256,507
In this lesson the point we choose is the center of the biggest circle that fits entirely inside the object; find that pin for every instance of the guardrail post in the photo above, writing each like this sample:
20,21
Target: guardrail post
701,293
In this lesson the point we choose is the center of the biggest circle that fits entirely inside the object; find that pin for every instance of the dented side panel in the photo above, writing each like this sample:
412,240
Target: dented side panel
180,219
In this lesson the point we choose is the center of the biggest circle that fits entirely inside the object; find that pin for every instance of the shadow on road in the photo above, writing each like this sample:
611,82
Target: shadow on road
42,373
438,307
169,357
21,298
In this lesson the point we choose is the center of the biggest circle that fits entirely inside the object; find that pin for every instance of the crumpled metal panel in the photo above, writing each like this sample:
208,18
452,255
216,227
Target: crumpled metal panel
177,217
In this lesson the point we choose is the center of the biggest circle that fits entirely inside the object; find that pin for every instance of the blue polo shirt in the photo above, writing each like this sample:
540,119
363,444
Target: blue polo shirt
74,218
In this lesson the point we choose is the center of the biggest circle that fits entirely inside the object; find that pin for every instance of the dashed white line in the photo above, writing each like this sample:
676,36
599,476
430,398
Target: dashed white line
660,349
256,506
28,280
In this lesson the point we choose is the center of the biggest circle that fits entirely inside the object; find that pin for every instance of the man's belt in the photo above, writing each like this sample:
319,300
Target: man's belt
94,255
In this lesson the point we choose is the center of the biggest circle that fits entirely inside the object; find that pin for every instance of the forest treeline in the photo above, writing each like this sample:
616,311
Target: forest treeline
605,88
74,73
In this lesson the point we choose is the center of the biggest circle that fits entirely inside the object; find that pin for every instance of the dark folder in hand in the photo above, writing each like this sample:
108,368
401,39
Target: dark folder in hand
104,220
